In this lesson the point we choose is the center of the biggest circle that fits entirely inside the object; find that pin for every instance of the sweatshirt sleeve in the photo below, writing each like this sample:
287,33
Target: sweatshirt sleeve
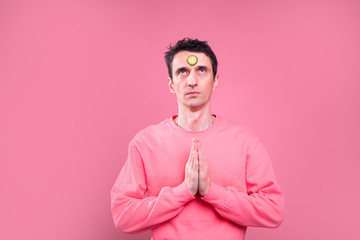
262,205
131,209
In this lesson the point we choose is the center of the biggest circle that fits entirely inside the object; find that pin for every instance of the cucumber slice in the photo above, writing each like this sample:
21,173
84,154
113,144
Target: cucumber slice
192,60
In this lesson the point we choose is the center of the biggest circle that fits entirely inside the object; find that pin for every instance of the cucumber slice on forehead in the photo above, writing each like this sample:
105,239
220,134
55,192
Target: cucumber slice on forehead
192,60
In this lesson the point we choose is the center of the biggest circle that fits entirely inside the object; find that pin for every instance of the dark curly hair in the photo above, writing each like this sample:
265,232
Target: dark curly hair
192,45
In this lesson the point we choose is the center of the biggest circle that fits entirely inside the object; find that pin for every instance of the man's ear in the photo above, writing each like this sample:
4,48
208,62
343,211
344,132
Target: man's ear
171,85
216,78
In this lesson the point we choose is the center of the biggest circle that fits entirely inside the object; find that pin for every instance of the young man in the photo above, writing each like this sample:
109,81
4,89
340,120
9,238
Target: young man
195,175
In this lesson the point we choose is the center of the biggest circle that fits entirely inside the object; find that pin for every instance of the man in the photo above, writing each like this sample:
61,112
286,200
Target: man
195,175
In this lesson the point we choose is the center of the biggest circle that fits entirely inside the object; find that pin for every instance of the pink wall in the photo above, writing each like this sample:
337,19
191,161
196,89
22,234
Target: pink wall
79,79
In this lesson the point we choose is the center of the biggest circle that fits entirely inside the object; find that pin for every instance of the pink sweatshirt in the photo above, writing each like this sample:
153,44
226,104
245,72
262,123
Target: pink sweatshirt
150,192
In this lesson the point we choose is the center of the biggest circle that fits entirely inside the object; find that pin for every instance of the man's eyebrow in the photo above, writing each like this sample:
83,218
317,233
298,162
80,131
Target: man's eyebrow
180,68
201,66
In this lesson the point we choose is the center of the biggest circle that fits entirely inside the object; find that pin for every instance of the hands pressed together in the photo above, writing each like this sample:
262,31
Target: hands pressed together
197,176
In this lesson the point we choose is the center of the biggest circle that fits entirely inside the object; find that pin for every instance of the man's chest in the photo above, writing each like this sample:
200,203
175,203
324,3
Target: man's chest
165,163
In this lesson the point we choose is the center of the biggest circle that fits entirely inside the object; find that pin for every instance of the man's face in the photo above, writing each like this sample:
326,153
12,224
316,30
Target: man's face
192,84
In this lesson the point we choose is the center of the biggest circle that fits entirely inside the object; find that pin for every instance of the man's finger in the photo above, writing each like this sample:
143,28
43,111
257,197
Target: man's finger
201,156
193,144
193,147
196,143
195,160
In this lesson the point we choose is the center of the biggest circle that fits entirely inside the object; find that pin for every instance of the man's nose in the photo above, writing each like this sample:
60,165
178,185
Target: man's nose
191,79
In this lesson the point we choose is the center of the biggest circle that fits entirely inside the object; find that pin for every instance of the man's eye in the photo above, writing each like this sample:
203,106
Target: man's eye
202,70
183,71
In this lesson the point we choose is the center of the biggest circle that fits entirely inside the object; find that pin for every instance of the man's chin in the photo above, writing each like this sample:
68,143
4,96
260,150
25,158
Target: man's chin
194,106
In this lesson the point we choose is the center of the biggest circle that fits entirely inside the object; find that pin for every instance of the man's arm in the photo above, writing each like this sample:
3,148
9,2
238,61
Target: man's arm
262,205
132,211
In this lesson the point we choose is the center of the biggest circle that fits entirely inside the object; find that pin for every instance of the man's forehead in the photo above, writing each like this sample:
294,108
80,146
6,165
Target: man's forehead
191,58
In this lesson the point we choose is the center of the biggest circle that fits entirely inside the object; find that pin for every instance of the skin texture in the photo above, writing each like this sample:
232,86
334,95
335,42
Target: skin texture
204,174
192,170
197,176
193,87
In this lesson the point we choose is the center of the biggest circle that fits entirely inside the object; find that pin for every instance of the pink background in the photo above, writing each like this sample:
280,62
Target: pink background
79,79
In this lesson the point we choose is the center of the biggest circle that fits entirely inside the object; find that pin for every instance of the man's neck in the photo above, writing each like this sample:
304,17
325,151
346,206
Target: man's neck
194,120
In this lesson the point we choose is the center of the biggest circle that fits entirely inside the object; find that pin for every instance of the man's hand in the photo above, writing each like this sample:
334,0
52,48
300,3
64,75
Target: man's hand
204,174
197,176
192,169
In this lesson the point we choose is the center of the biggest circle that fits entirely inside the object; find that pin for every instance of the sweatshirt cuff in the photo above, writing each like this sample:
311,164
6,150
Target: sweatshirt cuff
182,193
215,195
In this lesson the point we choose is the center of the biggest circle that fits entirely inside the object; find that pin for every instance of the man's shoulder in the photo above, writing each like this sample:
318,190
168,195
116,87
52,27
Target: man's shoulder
229,125
152,131
237,131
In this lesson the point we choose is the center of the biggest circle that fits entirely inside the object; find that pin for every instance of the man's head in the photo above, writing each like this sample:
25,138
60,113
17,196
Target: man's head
192,73
191,45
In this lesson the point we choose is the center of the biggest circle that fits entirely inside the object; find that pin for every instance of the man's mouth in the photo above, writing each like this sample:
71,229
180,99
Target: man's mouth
192,93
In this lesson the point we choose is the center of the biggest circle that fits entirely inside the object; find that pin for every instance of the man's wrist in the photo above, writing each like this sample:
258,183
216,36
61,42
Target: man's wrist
216,195
203,194
182,193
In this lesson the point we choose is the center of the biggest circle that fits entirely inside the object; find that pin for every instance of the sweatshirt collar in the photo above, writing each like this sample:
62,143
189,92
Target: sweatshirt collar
185,132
